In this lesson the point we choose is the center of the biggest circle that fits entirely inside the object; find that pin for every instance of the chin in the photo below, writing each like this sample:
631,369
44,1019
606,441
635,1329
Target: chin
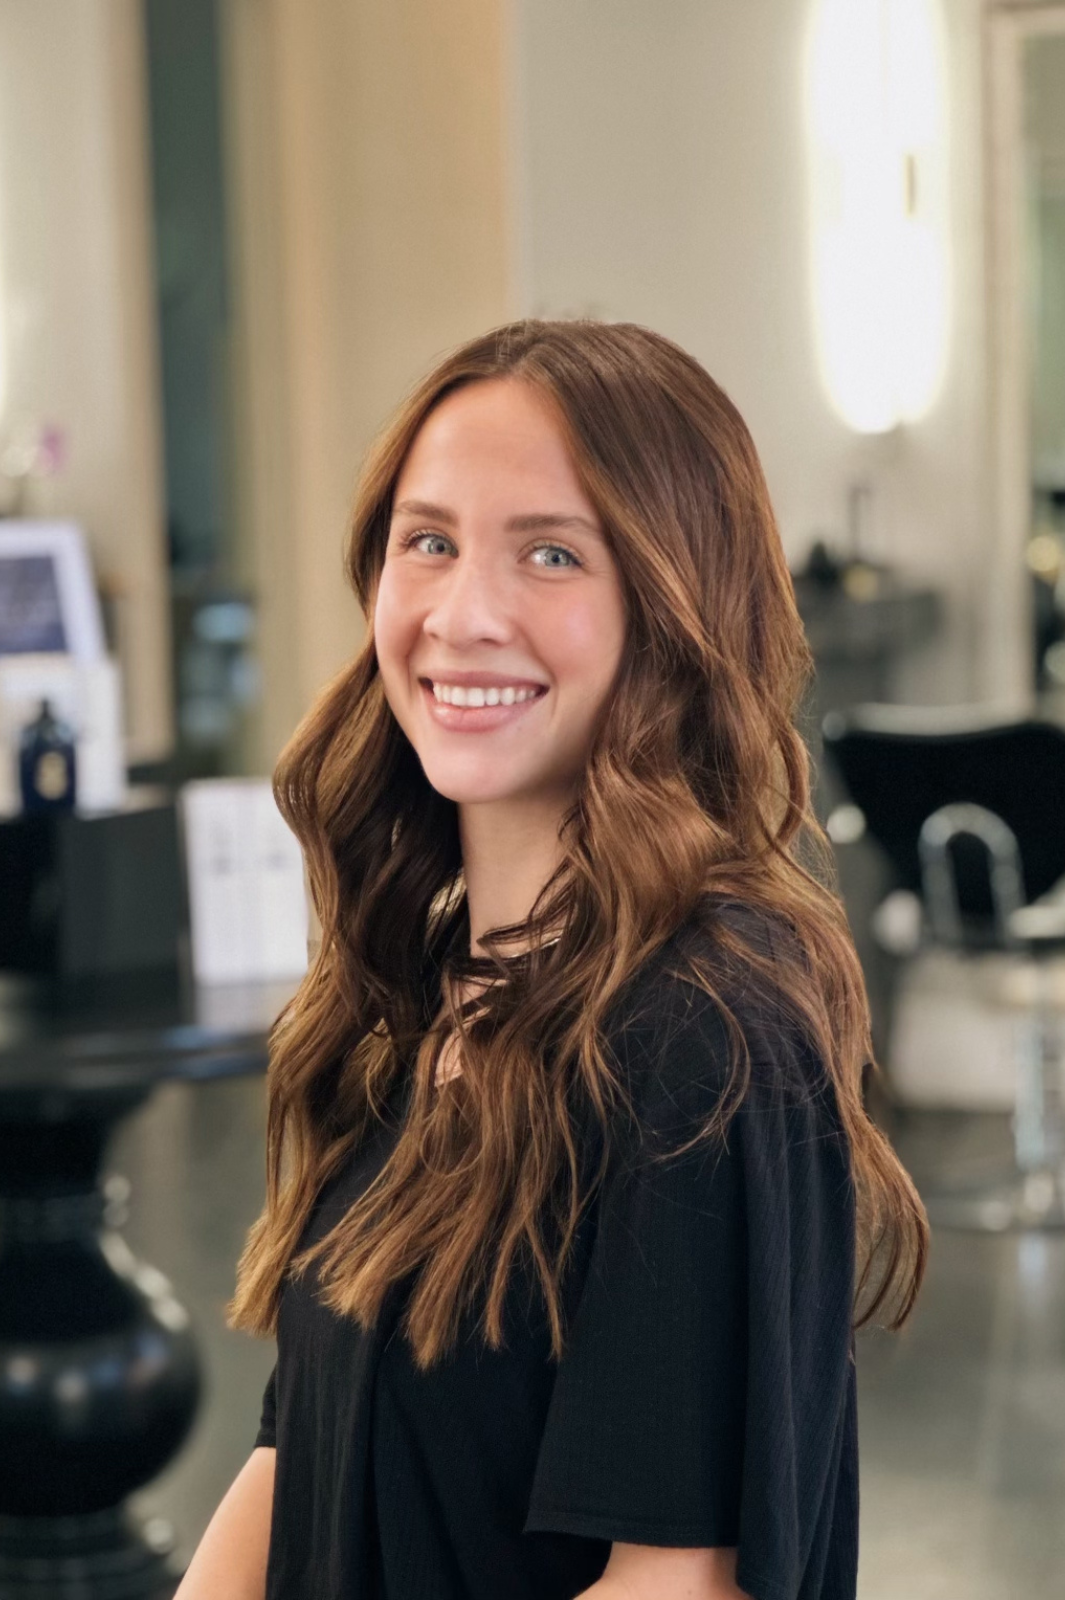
472,794
475,787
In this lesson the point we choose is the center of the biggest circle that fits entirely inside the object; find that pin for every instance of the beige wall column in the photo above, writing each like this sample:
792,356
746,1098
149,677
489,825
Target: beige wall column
78,344
369,196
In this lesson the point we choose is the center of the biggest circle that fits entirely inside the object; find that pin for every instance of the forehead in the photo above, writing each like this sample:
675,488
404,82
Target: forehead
497,434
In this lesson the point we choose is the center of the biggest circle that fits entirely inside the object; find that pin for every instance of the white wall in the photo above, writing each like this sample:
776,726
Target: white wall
77,320
660,170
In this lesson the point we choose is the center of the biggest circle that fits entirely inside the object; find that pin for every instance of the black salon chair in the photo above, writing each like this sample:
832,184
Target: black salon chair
970,812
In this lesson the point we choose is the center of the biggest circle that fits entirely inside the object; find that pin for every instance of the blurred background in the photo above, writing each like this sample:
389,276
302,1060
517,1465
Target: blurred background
234,232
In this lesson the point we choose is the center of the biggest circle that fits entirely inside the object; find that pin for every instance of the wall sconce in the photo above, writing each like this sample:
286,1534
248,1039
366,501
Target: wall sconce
876,116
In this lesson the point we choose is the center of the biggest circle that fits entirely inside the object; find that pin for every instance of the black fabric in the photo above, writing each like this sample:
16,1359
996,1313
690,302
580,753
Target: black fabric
706,1395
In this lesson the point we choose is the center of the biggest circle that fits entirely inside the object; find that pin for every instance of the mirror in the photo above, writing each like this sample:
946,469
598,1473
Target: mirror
1044,203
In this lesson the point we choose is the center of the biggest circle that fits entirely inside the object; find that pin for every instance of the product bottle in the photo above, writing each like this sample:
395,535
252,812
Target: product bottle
47,763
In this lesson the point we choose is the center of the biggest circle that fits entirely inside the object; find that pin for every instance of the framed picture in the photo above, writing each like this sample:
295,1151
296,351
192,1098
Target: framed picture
48,599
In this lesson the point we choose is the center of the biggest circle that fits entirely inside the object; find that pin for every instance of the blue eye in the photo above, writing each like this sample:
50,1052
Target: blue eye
413,538
573,559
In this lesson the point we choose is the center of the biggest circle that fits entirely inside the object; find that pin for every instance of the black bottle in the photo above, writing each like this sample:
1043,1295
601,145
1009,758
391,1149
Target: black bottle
47,763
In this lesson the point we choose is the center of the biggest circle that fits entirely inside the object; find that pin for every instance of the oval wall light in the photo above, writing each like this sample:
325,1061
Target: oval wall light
876,116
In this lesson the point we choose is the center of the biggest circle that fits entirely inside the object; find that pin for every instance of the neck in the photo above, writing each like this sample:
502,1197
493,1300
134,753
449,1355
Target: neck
508,853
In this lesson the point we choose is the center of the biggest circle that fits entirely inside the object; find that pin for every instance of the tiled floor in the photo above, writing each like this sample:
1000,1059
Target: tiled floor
962,1415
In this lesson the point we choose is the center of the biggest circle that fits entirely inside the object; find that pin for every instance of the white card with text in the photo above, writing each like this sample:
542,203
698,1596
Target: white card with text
247,897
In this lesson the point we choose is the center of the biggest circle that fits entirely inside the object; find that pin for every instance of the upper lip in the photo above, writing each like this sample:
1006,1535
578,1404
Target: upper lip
482,680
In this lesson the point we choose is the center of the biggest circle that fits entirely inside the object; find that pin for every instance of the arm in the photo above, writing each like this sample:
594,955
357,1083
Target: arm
649,1572
231,1557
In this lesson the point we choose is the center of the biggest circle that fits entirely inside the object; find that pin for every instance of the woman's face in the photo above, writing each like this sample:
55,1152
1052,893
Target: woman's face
497,582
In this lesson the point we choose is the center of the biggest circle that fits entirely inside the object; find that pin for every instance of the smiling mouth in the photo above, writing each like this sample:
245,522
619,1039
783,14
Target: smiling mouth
471,696
475,718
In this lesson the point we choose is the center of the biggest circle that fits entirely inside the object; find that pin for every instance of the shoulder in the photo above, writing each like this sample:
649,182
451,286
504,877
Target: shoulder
710,1017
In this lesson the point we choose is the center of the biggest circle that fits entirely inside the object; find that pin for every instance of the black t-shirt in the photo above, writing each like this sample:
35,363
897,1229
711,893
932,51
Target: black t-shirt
706,1394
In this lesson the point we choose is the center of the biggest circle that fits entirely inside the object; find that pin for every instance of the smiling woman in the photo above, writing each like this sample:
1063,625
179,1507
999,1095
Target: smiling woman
573,1201
481,596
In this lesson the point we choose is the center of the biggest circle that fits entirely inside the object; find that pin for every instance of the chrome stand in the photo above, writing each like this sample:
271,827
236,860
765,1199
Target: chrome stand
1032,1195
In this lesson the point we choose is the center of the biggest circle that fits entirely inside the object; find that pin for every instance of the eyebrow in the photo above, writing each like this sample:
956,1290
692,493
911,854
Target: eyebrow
531,522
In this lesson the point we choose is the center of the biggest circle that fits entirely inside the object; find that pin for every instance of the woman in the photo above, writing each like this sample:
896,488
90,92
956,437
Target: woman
573,1203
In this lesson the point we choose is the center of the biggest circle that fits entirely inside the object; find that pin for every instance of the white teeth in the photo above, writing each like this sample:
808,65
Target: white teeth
451,694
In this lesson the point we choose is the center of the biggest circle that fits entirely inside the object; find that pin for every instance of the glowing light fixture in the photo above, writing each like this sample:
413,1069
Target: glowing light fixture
876,112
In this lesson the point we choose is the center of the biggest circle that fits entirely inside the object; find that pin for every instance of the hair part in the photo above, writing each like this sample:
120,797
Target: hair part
701,730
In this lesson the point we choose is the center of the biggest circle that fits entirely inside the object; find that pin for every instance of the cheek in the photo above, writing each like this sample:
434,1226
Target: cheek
587,638
393,625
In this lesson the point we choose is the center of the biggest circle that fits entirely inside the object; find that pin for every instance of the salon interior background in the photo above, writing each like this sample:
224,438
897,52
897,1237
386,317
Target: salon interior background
233,231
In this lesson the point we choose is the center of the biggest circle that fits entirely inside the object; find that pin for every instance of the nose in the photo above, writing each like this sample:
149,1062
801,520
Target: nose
470,603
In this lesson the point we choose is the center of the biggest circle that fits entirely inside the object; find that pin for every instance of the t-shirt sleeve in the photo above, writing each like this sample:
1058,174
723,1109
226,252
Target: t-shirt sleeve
700,1400
267,1434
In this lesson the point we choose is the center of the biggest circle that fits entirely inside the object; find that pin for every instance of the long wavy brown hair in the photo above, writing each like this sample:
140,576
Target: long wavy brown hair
696,794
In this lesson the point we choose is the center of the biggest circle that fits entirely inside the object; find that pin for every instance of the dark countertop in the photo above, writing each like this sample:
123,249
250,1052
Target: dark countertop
127,1033
842,626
